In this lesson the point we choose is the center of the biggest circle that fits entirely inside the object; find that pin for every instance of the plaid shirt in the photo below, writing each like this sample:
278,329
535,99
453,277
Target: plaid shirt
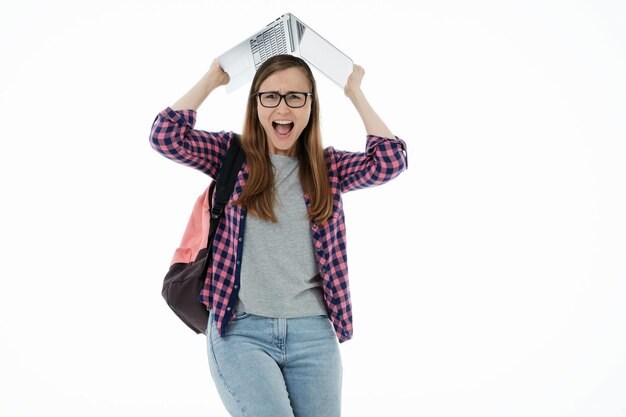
174,136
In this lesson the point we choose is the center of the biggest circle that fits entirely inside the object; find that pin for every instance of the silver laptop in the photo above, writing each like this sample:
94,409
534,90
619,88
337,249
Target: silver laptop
285,35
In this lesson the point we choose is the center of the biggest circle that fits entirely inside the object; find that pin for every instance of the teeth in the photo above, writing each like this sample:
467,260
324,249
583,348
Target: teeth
282,122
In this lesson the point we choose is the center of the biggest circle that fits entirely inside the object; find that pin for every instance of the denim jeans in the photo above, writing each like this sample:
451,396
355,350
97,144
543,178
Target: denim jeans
275,367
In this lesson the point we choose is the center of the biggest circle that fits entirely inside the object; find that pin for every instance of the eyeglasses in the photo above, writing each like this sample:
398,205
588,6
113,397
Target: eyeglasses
294,99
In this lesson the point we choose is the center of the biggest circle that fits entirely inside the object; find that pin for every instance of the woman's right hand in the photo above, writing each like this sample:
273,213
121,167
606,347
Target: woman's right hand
217,74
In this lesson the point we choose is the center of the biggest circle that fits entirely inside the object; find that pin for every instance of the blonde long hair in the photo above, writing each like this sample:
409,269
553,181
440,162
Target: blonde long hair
258,195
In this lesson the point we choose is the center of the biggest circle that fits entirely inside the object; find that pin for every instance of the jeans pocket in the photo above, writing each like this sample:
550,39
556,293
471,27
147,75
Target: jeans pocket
241,315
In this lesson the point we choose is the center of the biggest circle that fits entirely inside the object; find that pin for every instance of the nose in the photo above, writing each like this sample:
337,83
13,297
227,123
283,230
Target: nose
282,106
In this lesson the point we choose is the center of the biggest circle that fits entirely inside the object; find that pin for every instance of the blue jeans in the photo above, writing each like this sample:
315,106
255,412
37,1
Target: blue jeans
271,367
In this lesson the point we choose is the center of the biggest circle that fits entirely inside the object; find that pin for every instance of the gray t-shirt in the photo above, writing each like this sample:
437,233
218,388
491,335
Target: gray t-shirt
279,276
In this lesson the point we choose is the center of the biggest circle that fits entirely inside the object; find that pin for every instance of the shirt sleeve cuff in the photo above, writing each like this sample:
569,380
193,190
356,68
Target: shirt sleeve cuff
374,140
182,117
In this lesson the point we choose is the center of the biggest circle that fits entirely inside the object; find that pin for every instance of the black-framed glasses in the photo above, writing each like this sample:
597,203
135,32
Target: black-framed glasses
294,99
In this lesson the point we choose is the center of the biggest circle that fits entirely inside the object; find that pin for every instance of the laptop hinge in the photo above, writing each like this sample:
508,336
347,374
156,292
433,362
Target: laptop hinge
291,35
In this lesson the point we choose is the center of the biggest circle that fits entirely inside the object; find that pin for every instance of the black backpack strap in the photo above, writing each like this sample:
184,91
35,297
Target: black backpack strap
225,183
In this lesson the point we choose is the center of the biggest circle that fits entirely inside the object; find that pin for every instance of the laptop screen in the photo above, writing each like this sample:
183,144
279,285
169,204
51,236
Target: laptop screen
321,54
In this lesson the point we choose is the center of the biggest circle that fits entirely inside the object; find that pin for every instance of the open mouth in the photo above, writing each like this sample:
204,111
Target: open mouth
282,128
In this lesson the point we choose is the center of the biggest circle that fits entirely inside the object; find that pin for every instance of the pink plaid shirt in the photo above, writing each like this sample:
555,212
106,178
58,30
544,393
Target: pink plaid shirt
174,136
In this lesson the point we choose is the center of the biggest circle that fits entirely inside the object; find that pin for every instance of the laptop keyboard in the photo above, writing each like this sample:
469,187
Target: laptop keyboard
269,43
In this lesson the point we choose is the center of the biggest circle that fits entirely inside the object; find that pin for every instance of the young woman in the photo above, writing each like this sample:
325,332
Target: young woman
277,288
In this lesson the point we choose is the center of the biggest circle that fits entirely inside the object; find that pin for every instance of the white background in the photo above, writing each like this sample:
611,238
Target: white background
488,280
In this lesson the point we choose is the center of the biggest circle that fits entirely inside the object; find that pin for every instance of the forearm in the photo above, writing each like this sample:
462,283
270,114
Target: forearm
213,78
198,93
374,125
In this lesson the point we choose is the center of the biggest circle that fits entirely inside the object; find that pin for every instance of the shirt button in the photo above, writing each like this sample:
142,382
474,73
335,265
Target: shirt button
236,286
320,252
227,308
238,262
243,217
240,239
323,270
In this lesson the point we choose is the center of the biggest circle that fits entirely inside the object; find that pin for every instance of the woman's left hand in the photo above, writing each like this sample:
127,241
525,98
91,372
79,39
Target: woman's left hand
373,123
354,81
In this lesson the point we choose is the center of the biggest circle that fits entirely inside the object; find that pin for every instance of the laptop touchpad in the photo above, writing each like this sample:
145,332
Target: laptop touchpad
235,61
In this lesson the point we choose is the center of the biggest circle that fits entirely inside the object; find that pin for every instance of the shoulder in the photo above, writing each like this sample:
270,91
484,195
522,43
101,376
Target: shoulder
329,154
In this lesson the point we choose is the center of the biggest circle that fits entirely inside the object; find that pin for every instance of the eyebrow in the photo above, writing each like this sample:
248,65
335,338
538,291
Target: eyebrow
278,92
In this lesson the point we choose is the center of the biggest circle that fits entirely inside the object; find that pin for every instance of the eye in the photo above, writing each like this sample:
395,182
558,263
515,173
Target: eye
271,96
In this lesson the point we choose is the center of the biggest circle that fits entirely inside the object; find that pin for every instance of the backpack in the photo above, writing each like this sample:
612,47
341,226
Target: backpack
188,268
